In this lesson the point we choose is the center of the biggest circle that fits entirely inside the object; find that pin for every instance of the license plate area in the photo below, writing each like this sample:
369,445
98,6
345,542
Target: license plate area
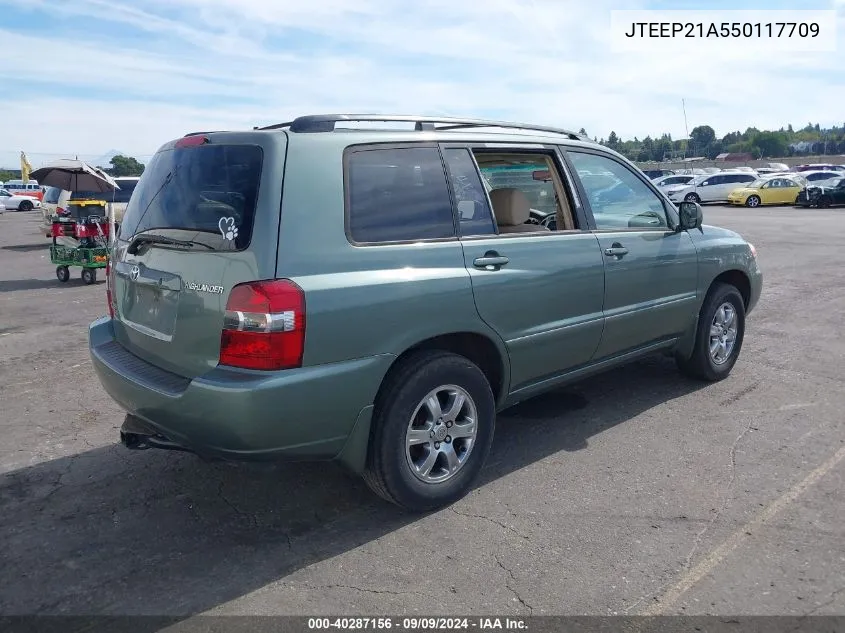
149,301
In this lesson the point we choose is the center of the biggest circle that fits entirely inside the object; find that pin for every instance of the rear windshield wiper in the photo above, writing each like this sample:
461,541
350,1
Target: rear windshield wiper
141,240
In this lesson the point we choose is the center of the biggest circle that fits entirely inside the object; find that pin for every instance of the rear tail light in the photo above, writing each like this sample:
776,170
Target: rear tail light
194,140
60,211
264,326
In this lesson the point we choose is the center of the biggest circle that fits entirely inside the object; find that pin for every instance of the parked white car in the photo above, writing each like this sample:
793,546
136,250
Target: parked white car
18,202
675,179
821,174
710,187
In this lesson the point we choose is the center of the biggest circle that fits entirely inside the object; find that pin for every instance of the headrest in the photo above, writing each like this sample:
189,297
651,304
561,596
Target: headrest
510,206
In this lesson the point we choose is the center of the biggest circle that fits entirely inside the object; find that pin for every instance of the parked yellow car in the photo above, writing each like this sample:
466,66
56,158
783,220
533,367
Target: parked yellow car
780,190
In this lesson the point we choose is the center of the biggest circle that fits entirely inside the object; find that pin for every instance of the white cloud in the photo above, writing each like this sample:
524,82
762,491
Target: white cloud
227,63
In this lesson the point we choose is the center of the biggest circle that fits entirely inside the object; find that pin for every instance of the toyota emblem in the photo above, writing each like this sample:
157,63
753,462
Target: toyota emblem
133,274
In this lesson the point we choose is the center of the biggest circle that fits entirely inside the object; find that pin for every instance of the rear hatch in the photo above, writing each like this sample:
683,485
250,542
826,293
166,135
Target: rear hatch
203,218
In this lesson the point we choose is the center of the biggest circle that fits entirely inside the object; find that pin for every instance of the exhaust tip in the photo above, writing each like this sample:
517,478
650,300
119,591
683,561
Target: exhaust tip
134,441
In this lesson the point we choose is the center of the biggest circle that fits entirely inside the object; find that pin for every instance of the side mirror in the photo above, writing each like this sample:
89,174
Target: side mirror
691,216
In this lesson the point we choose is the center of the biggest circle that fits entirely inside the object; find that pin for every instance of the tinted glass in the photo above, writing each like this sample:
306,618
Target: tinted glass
622,200
207,189
398,195
470,197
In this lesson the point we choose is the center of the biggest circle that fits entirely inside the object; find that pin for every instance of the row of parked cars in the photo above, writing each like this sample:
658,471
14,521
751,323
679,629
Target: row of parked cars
807,185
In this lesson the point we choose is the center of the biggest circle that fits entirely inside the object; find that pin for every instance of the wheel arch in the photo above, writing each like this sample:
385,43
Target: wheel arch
736,278
480,349
490,356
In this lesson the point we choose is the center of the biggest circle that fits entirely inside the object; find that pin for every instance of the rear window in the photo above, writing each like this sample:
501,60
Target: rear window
51,196
398,195
210,189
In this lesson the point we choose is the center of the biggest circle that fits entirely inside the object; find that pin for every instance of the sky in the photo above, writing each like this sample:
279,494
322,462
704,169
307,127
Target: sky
86,77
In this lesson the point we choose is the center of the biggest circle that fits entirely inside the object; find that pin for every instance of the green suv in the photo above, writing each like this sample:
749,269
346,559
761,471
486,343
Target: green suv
375,296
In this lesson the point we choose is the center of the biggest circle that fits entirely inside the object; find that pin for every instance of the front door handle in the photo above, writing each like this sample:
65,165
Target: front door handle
616,250
490,261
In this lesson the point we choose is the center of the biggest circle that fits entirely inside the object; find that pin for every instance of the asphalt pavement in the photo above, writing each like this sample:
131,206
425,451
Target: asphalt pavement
635,492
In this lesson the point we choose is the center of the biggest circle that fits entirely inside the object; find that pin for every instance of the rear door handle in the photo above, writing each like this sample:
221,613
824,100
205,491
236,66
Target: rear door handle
491,261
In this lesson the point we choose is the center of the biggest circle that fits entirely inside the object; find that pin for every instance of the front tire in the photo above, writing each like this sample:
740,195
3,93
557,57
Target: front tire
89,275
25,205
719,336
824,202
62,273
432,430
753,202
692,197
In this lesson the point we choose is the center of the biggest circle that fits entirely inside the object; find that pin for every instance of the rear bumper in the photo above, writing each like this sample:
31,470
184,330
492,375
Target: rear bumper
756,286
301,414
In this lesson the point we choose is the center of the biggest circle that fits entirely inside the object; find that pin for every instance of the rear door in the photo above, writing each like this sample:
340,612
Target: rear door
651,271
541,290
713,188
219,196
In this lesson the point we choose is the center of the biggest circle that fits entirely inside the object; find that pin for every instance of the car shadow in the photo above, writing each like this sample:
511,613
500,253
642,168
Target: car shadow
116,532
27,248
13,285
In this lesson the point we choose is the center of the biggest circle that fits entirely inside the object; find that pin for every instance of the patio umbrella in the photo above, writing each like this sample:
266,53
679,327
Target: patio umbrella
74,175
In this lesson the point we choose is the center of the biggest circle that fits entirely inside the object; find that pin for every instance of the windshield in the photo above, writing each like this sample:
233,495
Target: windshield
51,196
210,189
757,183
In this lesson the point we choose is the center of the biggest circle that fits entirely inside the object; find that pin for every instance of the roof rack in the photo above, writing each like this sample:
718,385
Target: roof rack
326,123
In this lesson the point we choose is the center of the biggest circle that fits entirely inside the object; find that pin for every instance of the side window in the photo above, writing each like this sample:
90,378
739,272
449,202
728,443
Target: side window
398,195
526,192
617,197
473,209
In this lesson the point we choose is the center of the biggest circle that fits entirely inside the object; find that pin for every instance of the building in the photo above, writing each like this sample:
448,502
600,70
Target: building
739,157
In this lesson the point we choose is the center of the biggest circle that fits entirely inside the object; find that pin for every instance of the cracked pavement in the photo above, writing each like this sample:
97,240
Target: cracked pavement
601,498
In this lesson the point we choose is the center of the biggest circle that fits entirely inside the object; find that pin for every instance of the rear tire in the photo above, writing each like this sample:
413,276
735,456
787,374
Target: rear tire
62,273
25,205
722,300
89,275
406,434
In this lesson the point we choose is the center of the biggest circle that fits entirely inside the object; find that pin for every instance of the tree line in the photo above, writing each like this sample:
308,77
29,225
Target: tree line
703,142
120,166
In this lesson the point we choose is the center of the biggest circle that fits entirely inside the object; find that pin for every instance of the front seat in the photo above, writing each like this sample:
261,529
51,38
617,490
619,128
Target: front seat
512,210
